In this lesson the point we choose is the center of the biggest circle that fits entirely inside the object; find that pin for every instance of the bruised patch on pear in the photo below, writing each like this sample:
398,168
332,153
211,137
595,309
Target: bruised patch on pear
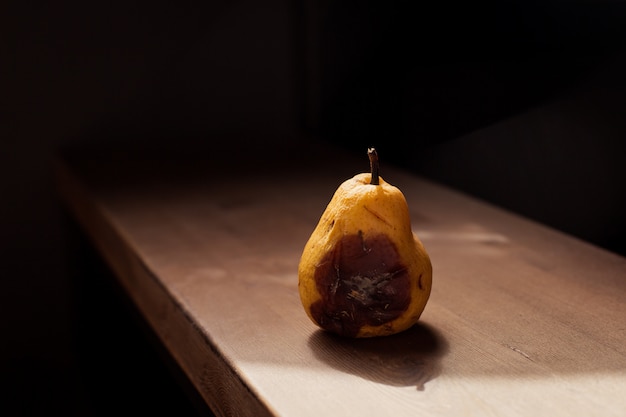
362,281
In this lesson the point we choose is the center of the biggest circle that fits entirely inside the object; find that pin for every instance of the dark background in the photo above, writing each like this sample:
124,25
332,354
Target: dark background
520,103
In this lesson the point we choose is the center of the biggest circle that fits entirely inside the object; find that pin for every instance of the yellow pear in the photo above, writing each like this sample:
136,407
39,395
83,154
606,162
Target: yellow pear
363,271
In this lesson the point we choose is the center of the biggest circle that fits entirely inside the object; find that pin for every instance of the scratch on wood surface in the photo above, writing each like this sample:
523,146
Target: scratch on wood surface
478,237
521,352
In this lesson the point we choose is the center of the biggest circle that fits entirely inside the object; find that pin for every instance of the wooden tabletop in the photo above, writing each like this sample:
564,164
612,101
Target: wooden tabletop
522,321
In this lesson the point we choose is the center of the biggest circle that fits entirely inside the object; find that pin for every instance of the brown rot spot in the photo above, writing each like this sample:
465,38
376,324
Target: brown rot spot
330,225
419,282
362,281
362,239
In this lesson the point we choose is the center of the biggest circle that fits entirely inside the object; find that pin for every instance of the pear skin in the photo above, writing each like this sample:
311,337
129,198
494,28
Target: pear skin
363,272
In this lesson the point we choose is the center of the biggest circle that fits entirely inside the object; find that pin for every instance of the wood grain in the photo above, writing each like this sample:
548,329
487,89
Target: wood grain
522,320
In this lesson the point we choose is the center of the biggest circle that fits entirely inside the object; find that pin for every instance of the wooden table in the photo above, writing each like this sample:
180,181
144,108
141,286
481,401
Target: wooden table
523,320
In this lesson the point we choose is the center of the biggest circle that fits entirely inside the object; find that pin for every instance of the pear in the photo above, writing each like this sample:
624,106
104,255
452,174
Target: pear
363,272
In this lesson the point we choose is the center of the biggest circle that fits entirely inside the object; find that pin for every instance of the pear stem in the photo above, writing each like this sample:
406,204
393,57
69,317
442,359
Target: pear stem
373,155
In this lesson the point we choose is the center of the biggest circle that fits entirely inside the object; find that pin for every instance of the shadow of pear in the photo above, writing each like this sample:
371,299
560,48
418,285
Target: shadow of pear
409,358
